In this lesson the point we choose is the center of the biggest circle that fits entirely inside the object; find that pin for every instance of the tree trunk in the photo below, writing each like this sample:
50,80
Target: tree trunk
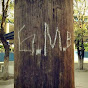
79,60
6,57
44,54
6,65
80,63
80,55
3,40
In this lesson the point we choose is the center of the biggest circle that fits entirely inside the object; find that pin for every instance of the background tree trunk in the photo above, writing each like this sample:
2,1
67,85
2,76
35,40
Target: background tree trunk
80,54
44,54
3,40
6,58
80,63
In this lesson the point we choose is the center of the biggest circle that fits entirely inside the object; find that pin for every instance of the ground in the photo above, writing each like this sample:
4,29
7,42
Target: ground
81,78
7,84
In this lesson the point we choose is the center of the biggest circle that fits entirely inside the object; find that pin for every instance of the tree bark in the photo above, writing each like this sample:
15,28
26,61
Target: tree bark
80,54
6,57
80,63
4,41
44,54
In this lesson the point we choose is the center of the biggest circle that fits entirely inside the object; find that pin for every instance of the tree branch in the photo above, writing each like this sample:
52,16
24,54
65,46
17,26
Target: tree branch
3,6
6,9
4,14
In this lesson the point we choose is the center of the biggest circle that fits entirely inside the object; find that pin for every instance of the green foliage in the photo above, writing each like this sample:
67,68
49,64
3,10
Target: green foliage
10,18
2,48
80,24
80,31
11,49
0,17
85,46
11,6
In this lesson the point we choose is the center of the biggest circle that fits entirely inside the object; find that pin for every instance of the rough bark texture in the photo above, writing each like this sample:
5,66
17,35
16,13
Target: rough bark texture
44,55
